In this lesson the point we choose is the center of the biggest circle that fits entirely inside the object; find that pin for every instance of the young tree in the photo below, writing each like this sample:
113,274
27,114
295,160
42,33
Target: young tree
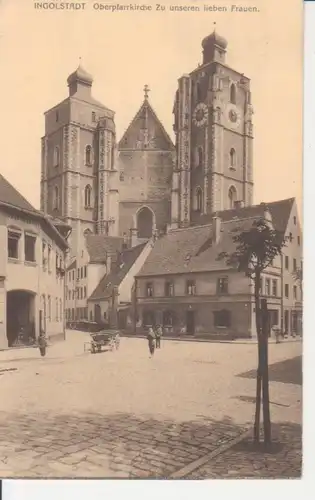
255,249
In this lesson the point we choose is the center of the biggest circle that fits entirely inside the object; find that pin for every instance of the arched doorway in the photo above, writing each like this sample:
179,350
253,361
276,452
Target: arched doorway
232,197
145,223
20,317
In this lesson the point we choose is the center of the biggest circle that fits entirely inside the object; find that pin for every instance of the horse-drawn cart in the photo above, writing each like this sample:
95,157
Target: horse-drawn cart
108,340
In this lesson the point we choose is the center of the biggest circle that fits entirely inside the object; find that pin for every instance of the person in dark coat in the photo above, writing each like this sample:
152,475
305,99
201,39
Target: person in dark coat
151,341
158,336
42,343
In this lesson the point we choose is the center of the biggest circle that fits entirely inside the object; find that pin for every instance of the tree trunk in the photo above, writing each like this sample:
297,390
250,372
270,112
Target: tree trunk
259,374
265,380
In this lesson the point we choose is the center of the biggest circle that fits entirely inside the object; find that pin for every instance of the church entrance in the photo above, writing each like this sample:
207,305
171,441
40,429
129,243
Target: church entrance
145,223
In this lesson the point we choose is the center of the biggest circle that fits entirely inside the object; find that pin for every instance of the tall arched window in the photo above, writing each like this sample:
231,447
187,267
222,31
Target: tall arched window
232,197
87,196
88,155
145,223
198,91
233,94
199,159
232,158
199,199
56,156
56,198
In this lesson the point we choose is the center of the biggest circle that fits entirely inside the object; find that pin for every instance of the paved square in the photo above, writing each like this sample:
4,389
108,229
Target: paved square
122,414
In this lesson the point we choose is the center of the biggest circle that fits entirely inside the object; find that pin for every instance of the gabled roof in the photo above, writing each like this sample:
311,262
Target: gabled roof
12,200
99,245
280,212
192,249
119,270
156,131
11,196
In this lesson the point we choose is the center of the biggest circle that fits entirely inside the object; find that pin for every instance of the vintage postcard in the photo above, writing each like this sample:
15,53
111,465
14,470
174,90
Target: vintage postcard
151,264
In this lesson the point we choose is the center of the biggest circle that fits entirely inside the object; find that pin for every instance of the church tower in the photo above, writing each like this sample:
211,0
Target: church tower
214,137
78,179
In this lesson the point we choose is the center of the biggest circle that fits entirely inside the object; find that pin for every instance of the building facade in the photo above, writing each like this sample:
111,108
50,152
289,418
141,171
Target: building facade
184,286
145,162
214,137
32,271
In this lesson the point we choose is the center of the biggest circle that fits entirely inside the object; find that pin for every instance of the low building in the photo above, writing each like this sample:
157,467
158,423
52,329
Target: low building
184,286
113,297
31,270
84,274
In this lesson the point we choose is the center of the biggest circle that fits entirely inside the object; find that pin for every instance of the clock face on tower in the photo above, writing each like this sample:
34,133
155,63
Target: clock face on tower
234,117
200,116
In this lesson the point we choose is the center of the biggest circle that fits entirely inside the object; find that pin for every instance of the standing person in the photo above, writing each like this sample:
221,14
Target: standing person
42,343
151,341
158,336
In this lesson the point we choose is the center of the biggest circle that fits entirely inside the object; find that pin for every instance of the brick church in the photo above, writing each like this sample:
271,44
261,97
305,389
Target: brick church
143,183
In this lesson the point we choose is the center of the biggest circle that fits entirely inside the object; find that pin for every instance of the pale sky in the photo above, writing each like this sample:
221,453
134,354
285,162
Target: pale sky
123,51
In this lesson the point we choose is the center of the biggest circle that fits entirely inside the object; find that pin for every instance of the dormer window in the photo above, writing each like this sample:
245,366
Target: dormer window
93,117
149,289
190,287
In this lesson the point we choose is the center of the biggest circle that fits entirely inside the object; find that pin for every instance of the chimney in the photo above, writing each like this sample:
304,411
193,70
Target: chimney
108,263
216,229
239,204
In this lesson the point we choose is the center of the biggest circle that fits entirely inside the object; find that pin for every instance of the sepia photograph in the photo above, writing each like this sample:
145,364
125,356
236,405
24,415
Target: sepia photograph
151,240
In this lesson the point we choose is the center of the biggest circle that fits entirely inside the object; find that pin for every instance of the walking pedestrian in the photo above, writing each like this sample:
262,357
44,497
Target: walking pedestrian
158,336
151,341
42,343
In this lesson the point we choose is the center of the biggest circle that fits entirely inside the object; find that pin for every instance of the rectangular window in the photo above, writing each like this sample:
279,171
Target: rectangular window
73,275
84,292
286,291
13,244
84,271
93,116
149,289
69,276
298,240
44,259
294,220
286,262
29,247
294,292
49,308
274,288
222,319
294,265
223,285
49,258
78,274
190,287
267,286
169,289
56,310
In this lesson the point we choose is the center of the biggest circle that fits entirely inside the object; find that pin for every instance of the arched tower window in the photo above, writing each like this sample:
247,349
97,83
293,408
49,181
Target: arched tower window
233,94
88,155
56,198
232,158
232,197
199,199
199,158
145,223
87,196
198,91
56,156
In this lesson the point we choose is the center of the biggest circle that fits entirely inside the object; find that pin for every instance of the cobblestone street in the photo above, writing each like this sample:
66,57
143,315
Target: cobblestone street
122,414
